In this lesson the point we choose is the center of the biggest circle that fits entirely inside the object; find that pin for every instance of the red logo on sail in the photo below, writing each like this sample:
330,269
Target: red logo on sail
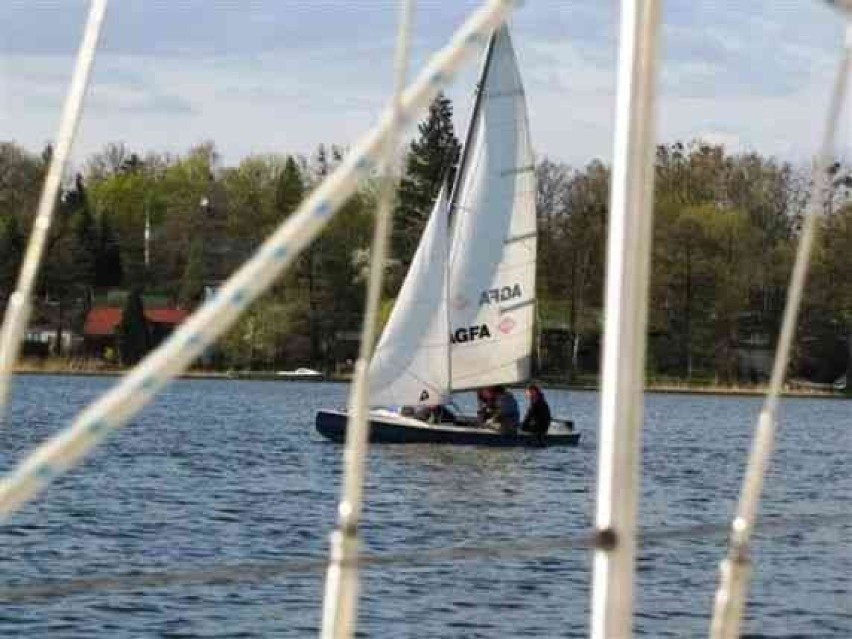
506,325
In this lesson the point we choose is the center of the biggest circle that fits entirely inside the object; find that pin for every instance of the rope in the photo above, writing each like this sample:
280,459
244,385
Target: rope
341,595
736,567
260,572
628,259
139,386
19,306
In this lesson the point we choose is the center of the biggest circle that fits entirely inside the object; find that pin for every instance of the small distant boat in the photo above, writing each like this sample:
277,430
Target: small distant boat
463,319
838,385
301,373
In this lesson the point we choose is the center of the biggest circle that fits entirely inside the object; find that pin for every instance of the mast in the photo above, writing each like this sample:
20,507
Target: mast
447,284
454,193
471,125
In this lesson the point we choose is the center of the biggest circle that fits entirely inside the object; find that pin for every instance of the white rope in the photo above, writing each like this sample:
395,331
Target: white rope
341,591
19,305
735,568
626,313
138,387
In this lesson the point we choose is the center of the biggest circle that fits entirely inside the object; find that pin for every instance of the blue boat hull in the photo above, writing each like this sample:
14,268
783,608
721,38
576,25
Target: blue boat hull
390,429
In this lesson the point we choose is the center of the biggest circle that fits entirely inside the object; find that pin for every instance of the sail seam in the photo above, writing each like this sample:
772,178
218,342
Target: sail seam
519,238
515,307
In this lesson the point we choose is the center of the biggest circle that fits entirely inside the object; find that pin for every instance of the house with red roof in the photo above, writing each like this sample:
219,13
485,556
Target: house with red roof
100,330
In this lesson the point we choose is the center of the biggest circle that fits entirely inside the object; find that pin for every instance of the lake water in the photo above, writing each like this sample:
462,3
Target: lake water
223,472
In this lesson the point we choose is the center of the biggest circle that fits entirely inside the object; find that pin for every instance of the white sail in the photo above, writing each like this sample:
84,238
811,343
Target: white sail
480,334
410,364
493,246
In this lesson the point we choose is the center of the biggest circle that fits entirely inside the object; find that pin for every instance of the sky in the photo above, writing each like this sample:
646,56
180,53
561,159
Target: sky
259,76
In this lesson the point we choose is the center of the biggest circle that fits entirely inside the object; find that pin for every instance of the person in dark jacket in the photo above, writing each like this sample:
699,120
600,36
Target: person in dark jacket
537,419
506,415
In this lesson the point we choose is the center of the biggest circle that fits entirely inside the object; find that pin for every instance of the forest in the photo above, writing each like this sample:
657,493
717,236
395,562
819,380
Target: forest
150,228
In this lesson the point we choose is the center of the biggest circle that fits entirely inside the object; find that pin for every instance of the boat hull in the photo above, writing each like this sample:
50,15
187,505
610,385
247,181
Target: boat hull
389,428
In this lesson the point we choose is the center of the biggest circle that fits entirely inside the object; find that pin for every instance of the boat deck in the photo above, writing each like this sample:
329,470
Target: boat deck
391,428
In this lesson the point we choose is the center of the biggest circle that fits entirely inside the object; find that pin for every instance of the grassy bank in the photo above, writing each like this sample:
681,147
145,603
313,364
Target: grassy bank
701,386
96,368
92,368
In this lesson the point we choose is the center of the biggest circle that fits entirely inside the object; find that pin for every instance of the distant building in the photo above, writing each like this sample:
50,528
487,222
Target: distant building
102,322
40,341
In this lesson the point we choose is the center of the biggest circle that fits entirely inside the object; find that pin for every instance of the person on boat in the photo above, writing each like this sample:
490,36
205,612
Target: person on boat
506,414
425,414
537,420
434,414
484,405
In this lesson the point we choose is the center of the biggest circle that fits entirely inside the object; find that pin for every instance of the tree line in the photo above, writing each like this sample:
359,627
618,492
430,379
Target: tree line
725,231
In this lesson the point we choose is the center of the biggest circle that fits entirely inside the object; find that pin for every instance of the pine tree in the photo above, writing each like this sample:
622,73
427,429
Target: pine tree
108,268
289,189
134,335
430,158
11,253
86,244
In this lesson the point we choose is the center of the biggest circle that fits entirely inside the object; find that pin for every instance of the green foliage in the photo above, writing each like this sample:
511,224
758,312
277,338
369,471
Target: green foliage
251,190
120,202
572,210
265,337
335,289
723,226
67,273
21,175
724,235
827,318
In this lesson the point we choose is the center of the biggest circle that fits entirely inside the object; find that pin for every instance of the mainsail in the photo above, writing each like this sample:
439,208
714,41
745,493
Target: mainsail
493,249
464,315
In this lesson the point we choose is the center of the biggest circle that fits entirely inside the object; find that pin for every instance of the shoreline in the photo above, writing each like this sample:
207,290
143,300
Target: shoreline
192,374
663,388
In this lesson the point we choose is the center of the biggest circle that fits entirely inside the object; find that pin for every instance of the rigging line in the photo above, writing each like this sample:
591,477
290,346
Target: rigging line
341,592
19,305
138,387
264,571
736,567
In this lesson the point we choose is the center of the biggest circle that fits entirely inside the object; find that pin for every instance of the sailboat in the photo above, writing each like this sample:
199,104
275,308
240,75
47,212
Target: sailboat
463,319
